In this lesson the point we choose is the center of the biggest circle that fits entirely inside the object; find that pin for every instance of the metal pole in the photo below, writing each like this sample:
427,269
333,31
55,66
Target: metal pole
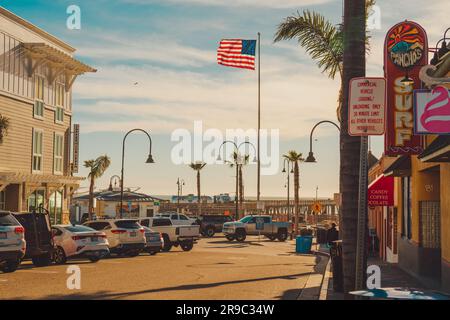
121,178
362,217
259,117
237,190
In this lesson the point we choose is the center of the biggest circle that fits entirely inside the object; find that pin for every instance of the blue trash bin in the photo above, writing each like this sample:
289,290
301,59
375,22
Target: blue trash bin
303,244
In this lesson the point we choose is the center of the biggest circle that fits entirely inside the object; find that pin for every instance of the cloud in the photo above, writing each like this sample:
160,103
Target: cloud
279,4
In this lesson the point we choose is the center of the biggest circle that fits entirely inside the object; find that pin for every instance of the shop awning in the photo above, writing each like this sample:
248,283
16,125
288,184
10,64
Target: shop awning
401,167
437,151
381,192
8,177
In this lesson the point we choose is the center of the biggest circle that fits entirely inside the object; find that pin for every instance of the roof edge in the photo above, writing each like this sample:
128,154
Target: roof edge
10,15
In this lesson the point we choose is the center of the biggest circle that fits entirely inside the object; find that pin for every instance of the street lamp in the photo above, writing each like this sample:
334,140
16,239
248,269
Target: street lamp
311,157
149,160
288,184
236,148
111,180
180,184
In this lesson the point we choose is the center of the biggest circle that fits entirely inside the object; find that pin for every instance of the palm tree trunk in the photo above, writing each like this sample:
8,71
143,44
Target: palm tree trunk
241,192
354,66
199,201
91,198
296,195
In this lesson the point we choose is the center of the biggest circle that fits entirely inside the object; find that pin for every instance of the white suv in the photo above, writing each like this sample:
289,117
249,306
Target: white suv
125,236
12,242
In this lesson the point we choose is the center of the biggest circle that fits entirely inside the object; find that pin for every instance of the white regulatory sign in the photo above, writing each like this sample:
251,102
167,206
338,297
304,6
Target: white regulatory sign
367,107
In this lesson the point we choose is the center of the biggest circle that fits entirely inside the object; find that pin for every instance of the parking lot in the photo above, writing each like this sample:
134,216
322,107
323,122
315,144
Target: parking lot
214,269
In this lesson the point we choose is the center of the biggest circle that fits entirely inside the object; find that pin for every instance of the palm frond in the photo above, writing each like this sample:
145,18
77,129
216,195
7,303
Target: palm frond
321,39
197,166
293,156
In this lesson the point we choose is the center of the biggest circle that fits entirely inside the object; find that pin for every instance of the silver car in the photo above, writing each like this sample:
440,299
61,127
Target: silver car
12,242
154,241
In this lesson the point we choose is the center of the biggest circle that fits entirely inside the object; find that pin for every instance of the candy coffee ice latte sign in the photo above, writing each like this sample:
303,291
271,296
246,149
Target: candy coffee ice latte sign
367,106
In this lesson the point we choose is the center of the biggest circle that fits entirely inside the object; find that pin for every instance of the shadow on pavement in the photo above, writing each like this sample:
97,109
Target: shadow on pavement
121,295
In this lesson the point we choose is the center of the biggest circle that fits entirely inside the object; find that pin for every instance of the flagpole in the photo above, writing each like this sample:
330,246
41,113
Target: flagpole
259,116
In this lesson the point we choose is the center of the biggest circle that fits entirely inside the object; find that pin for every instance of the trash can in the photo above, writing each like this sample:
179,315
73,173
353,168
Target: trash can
303,244
336,261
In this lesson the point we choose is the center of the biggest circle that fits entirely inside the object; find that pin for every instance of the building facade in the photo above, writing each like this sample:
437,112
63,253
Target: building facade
37,72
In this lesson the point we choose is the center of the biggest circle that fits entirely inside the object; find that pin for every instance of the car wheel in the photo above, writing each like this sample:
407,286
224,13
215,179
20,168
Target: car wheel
210,232
59,256
272,238
240,235
152,253
229,237
10,266
42,260
167,243
187,245
282,236
94,259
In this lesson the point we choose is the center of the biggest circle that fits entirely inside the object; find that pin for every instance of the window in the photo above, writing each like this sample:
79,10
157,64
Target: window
59,115
407,212
2,200
39,97
59,95
37,149
35,200
58,147
55,207
174,217
183,217
128,224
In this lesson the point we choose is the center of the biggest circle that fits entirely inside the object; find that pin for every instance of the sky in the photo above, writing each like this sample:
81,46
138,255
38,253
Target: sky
168,47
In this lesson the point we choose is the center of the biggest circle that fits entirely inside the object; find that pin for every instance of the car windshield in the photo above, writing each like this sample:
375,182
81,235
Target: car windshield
161,222
127,224
246,219
78,229
7,220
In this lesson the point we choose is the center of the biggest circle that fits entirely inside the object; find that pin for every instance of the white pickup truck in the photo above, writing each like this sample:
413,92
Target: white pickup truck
173,235
255,225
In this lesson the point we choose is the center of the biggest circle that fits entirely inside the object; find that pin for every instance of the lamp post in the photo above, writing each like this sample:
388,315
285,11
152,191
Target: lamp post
236,148
289,171
310,157
111,180
149,160
180,184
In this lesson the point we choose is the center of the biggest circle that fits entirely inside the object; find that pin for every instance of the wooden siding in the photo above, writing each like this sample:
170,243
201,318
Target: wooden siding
16,150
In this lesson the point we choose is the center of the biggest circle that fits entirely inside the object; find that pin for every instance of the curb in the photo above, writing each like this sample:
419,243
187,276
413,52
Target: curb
326,282
314,285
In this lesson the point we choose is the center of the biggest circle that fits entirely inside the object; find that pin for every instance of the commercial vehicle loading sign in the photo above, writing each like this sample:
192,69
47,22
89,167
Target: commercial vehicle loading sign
367,107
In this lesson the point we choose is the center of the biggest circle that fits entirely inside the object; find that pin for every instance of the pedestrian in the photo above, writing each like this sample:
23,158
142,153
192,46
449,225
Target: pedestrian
332,234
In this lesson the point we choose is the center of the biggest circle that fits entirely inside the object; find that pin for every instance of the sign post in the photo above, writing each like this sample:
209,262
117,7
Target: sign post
367,109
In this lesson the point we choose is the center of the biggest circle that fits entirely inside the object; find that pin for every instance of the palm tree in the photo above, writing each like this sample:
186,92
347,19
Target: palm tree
97,169
339,50
240,161
322,40
198,166
295,158
354,66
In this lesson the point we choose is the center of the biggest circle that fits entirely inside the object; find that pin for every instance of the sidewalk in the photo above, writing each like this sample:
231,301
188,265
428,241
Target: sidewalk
391,277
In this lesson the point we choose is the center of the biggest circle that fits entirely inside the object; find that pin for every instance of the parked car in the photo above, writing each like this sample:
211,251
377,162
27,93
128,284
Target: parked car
178,219
75,241
38,236
255,225
154,241
12,242
173,235
125,236
210,224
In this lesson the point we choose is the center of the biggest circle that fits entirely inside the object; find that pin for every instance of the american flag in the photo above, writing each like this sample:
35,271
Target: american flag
237,53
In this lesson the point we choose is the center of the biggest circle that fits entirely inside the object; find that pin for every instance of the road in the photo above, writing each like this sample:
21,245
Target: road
214,269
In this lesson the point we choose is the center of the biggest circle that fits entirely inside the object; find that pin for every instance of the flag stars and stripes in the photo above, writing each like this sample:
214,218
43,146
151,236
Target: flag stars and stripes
237,53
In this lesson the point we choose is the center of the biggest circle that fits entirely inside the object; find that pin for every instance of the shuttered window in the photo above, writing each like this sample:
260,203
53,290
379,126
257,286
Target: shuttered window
37,150
39,96
58,147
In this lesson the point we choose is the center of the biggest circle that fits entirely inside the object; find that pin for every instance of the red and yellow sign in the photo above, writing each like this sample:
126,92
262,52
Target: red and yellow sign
406,51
